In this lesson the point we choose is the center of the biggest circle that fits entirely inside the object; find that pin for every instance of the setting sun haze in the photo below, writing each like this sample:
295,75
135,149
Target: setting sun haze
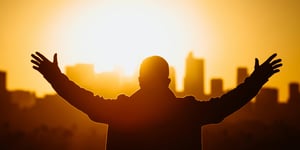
121,33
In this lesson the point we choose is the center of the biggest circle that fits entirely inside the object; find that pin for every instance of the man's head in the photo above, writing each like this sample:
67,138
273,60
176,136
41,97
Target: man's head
154,73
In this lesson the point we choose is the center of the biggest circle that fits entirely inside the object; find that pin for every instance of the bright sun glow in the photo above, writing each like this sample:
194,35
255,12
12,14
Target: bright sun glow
120,35
117,35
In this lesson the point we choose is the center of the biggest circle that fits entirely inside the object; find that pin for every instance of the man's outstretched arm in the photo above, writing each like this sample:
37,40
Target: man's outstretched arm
80,98
243,93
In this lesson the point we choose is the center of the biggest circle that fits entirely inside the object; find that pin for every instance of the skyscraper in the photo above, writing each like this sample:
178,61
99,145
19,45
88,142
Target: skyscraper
216,87
267,97
83,74
2,83
294,93
242,74
194,76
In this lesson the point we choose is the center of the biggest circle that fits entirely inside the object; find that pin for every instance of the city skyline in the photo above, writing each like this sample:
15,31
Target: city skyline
110,84
25,116
73,129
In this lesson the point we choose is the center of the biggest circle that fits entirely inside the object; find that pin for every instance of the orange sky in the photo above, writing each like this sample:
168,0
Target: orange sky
227,34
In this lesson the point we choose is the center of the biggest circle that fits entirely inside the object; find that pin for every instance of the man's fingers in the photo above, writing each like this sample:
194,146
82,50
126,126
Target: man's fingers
42,56
36,58
35,62
36,68
271,58
275,62
276,66
275,71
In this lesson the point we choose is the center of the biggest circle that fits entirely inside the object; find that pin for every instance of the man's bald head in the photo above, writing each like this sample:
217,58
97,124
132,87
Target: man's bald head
154,70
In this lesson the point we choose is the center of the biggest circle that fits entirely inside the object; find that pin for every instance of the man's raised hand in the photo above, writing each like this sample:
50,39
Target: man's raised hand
44,65
267,69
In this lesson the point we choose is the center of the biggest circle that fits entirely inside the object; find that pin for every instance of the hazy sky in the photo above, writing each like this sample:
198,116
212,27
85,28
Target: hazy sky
227,34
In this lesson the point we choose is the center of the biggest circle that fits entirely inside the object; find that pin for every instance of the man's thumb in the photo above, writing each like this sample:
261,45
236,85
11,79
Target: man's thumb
55,59
256,63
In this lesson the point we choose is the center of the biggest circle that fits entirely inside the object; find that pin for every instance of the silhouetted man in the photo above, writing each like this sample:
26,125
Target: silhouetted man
153,118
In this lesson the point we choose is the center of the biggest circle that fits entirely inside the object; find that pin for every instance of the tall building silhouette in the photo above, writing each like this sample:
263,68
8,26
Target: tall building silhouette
2,83
24,99
294,95
194,76
83,74
216,87
242,74
267,98
107,84
6,107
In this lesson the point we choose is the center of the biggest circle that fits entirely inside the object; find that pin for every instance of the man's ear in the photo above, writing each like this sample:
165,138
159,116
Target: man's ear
140,80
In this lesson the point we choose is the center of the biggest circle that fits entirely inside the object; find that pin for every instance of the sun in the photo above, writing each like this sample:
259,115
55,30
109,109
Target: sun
110,34
120,35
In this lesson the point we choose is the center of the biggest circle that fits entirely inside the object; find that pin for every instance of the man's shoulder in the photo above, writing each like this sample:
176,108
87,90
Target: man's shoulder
123,97
187,98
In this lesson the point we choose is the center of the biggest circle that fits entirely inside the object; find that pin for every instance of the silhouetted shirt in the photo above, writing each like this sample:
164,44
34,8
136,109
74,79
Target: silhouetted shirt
154,119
